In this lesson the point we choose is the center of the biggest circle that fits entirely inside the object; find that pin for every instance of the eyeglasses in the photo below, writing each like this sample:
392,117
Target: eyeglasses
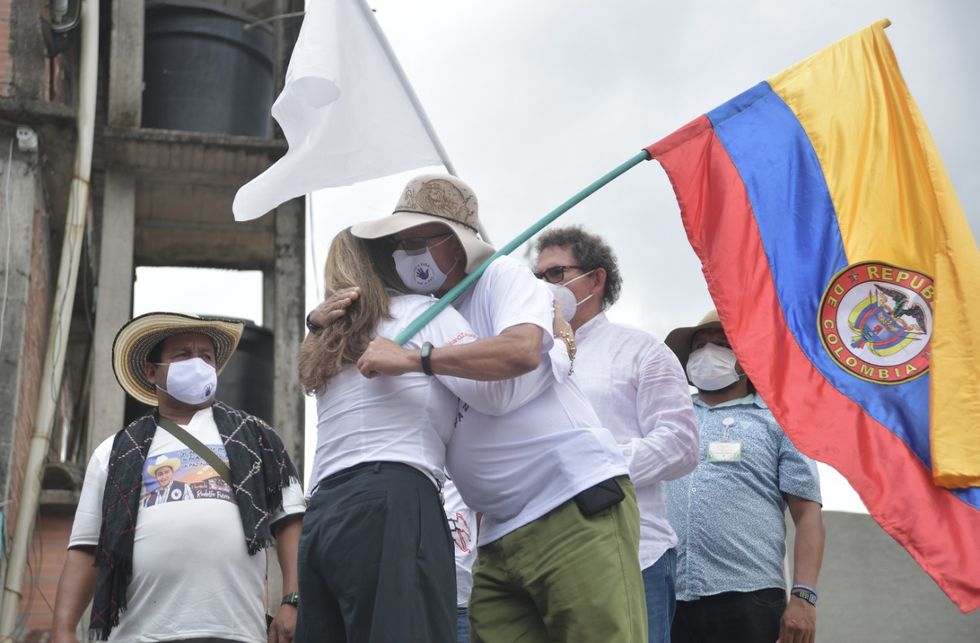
555,274
417,243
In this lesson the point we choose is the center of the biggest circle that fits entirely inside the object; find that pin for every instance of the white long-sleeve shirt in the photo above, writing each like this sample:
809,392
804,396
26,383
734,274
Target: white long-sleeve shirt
640,393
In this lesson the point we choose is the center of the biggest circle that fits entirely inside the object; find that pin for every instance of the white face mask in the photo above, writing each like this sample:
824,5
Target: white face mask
191,381
712,367
571,281
565,298
419,271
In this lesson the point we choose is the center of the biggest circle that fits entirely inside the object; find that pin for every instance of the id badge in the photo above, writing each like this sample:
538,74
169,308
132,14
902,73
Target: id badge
724,451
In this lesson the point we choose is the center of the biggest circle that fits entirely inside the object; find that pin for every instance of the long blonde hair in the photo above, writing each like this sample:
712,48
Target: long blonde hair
350,262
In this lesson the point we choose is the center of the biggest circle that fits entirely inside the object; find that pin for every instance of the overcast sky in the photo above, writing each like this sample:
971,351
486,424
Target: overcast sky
533,100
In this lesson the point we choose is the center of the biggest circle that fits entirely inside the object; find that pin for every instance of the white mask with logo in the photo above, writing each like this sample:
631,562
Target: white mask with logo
191,381
419,271
712,367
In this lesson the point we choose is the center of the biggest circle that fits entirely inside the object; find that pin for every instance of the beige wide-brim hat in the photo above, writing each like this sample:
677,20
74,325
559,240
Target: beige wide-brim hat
163,461
435,198
136,339
679,339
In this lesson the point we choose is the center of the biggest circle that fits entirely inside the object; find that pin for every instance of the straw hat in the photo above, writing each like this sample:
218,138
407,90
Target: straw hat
434,198
136,339
679,339
163,461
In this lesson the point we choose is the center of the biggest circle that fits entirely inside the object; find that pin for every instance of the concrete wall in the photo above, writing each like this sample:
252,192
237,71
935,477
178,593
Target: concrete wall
25,323
872,591
6,66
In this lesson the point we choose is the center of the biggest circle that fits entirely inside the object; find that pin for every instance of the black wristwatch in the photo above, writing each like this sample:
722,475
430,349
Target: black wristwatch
291,599
310,326
427,358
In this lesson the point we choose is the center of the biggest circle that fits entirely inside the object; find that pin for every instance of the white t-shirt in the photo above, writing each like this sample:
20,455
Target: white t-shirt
192,575
462,528
406,419
517,467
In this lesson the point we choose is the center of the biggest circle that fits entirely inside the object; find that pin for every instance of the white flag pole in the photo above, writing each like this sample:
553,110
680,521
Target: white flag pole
407,86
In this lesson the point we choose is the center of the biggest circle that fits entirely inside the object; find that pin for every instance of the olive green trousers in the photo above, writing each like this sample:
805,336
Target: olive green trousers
563,578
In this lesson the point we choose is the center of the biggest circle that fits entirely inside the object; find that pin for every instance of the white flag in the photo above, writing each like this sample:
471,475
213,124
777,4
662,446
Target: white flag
345,110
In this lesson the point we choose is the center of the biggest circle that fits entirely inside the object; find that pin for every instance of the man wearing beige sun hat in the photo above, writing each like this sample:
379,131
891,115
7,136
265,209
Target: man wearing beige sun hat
558,541
166,570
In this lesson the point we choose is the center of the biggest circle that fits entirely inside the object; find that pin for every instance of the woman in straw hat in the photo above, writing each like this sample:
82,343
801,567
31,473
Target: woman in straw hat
376,557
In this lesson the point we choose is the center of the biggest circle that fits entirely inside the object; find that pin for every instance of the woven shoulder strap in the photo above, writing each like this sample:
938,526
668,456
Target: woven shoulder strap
198,447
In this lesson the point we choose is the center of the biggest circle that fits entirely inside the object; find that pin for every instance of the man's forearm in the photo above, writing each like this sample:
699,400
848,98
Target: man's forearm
809,543
75,590
288,532
512,353
508,355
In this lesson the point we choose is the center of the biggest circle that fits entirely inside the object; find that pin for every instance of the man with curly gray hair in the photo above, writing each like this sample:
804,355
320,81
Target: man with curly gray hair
637,387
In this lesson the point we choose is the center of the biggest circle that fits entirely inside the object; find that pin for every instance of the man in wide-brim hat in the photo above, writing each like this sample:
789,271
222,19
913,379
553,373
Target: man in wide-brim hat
729,512
184,570
549,481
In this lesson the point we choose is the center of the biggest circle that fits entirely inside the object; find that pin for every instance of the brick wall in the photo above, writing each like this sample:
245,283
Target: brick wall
44,569
6,65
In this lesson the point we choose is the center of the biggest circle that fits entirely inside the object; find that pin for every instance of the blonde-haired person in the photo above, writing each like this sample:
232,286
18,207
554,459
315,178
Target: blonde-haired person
376,558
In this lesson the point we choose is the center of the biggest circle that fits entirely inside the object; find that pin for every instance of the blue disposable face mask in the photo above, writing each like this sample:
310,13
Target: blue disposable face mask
191,381
419,271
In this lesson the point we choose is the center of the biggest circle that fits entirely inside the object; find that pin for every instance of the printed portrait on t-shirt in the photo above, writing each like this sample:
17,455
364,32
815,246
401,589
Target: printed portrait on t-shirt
181,475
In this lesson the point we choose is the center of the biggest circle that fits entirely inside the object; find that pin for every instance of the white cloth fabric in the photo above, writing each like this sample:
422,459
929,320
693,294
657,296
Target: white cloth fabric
462,528
638,389
343,109
192,575
407,419
519,466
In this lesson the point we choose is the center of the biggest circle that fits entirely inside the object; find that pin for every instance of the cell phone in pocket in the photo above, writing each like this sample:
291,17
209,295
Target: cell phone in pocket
599,497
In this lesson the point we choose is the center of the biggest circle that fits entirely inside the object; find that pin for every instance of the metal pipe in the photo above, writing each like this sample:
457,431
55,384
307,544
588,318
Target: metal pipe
457,290
64,299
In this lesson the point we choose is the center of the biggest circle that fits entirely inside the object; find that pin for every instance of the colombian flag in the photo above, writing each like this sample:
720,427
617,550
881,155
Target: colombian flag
848,282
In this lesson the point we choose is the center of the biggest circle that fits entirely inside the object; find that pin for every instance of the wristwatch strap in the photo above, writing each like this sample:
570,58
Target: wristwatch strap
426,353
310,326
291,599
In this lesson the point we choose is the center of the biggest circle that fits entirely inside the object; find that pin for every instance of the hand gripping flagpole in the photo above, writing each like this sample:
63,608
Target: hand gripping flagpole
458,289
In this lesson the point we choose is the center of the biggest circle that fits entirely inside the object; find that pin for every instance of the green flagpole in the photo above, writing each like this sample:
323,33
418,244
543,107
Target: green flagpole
458,289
